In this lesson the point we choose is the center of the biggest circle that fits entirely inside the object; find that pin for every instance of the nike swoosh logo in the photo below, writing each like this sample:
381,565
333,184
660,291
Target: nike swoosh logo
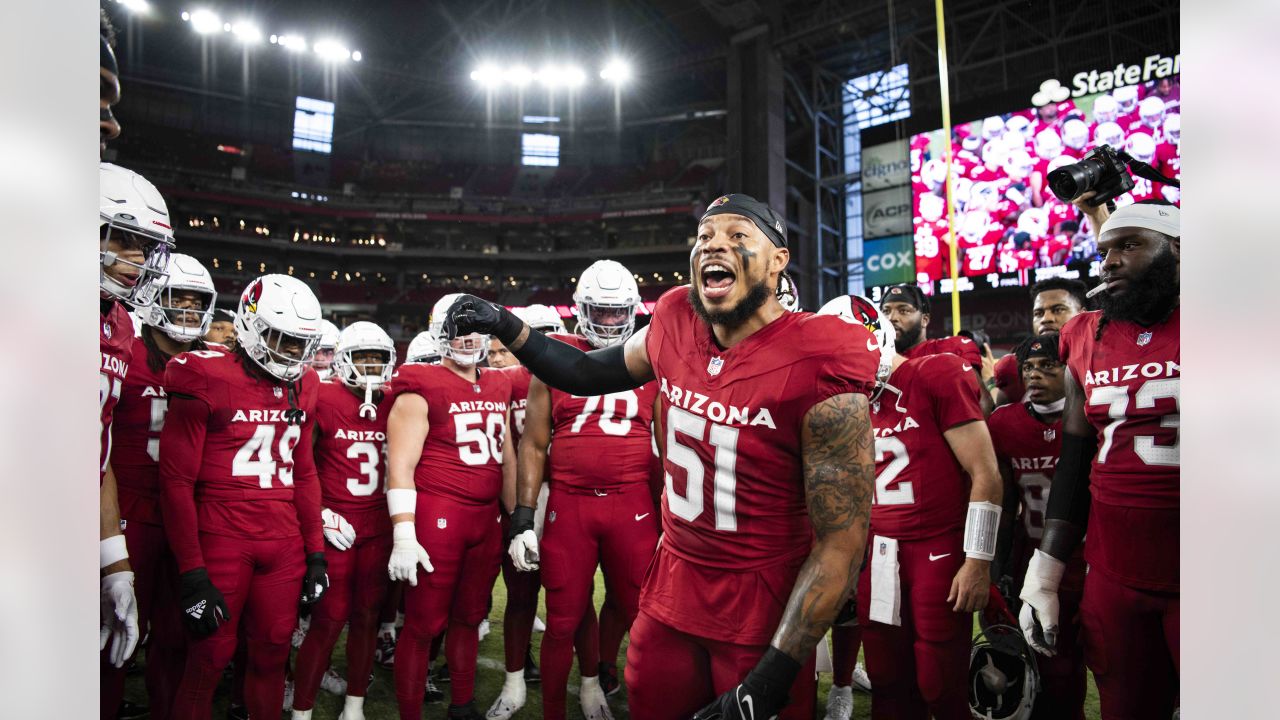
933,557
641,517
180,360
751,707
872,345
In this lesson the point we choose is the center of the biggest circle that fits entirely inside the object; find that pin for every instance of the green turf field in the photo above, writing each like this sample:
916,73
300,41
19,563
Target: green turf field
381,701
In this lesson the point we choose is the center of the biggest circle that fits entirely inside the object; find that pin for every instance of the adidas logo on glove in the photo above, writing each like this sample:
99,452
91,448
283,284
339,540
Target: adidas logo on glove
197,611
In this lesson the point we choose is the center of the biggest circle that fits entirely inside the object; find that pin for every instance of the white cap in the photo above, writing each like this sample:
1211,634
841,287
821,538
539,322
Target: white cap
1164,219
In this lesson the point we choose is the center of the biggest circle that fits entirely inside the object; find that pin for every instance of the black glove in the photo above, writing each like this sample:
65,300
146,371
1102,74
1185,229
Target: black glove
316,580
203,608
521,520
469,314
763,693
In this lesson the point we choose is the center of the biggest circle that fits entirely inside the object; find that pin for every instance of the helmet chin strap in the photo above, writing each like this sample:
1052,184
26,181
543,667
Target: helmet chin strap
367,408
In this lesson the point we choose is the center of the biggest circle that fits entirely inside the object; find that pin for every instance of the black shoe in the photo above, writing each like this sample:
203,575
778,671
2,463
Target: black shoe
464,712
531,672
433,694
237,712
132,711
609,679
442,675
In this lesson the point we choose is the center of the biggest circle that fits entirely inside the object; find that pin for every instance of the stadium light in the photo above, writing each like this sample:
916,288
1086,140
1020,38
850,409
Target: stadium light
616,72
555,76
141,7
487,75
519,76
205,22
332,50
296,43
357,56
247,33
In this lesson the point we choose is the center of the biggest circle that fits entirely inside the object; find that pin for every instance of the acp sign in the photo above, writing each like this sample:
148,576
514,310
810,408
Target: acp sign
886,212
888,261
1153,67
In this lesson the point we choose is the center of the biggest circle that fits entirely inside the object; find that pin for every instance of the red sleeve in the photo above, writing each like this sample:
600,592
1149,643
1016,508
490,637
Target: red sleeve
968,350
996,426
182,448
953,390
851,367
1006,371
306,490
407,380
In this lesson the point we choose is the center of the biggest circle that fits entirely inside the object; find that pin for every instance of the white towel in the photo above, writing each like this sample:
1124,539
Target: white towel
540,513
823,664
886,587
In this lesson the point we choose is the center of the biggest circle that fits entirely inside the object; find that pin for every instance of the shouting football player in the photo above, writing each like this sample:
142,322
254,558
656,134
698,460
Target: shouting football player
1053,303
769,469
449,459
930,558
1028,440
240,495
350,444
1118,474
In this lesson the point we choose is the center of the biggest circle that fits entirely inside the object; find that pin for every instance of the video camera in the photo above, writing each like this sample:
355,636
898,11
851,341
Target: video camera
1104,170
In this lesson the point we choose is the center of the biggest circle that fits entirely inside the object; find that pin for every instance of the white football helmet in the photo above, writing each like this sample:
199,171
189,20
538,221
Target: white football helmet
475,347
788,294
1151,112
185,273
323,360
1019,164
933,207
1034,222
1105,109
1075,134
861,311
132,212
1048,144
992,127
424,348
1127,98
1020,125
1059,162
934,173
1108,134
606,289
1173,128
1003,676
544,319
994,154
357,337
1142,147
275,309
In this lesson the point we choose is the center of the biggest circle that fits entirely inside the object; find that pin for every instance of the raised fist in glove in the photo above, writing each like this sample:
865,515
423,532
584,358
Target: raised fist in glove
1039,616
203,608
523,547
337,530
119,616
469,314
407,554
763,693
316,579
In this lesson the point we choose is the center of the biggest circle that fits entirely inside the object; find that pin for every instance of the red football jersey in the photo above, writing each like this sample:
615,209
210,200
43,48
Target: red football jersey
932,250
135,438
965,348
351,458
921,490
1131,381
734,501
1008,377
602,442
462,458
116,343
519,376
253,471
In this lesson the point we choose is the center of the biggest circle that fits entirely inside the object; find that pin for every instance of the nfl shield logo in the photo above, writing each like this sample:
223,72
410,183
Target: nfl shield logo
1050,434
1144,338
106,329
551,516
279,391
883,547
442,523
715,366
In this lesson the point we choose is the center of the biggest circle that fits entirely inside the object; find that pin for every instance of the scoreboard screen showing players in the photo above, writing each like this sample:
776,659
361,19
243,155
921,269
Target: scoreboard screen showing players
1007,222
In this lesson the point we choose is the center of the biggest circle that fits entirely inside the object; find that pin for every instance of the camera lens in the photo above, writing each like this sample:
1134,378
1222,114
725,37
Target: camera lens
1070,181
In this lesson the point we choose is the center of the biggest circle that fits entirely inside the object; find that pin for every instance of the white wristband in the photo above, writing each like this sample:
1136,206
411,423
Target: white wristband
112,550
980,530
402,501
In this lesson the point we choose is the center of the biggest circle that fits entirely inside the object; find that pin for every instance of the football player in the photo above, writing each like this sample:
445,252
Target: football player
423,349
449,459
1053,303
222,329
350,444
135,239
768,460
171,326
930,560
1118,474
1028,439
323,362
589,502
240,495
907,307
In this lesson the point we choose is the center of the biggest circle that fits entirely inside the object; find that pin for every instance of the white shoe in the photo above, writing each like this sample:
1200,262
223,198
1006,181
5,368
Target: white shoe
510,700
333,683
300,632
595,706
861,682
538,625
484,629
300,715
839,703
353,709
288,696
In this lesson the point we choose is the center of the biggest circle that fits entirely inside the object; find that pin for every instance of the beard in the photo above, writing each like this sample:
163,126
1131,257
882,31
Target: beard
909,338
738,314
1149,298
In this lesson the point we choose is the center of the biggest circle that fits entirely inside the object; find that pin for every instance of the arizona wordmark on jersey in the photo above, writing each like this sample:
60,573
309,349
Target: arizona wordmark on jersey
351,457
135,438
116,343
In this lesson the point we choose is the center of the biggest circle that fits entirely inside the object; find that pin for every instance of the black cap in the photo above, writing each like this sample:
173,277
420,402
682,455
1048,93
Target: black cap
1045,346
906,293
770,223
221,315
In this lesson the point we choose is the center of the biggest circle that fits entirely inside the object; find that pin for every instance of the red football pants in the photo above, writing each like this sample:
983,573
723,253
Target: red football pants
465,545
1131,645
618,531
845,643
522,608
155,583
921,666
261,581
358,585
671,674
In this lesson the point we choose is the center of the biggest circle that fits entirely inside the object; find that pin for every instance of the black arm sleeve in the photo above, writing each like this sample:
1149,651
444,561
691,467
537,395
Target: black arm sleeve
1067,514
565,367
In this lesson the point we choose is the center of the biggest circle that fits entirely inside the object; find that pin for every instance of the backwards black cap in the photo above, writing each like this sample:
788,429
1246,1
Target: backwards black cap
770,223
1045,346
906,293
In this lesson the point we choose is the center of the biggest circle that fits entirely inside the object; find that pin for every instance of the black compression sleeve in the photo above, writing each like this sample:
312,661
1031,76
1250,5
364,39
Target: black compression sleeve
565,367
1067,514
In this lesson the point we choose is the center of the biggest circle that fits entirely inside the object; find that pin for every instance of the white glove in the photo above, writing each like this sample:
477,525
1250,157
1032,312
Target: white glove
337,530
1039,615
119,616
1171,193
524,551
406,554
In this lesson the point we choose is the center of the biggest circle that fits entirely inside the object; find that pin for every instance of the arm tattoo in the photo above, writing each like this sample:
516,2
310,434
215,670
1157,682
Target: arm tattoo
839,472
